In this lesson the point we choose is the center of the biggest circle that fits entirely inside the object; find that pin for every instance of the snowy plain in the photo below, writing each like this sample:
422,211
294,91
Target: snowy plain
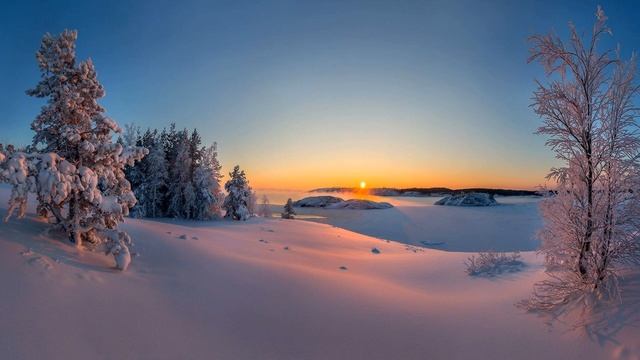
417,221
279,289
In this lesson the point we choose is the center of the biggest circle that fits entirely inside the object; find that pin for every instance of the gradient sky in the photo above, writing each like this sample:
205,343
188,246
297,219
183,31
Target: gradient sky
317,93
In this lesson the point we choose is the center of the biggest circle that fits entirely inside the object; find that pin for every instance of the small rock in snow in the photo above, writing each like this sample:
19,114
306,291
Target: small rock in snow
375,250
286,248
343,268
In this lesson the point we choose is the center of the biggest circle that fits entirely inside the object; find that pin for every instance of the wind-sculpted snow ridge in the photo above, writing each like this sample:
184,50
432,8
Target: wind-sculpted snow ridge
470,199
332,202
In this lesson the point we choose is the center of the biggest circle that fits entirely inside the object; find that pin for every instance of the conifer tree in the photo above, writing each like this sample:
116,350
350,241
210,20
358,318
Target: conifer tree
288,213
74,168
239,193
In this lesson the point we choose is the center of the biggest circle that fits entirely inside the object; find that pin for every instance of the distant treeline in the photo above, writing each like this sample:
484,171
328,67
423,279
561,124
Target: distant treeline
432,191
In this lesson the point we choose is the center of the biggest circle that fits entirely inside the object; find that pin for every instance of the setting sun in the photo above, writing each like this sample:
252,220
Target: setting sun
485,228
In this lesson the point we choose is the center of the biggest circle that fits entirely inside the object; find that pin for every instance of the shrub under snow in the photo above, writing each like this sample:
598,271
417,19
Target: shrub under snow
493,263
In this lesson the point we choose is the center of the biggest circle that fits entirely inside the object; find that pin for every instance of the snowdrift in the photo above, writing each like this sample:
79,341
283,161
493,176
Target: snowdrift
468,199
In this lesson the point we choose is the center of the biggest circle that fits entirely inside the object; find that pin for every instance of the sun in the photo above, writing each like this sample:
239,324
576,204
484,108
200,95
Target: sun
363,184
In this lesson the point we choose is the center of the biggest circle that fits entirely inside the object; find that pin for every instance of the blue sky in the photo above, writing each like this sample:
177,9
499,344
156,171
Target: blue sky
317,93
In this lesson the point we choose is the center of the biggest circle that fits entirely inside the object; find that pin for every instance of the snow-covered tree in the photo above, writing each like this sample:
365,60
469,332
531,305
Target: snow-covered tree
155,181
590,225
264,209
238,201
181,193
206,184
288,212
75,170
252,204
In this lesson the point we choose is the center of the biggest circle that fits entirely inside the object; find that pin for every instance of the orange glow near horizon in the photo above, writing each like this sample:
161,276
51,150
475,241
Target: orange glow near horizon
306,179
305,168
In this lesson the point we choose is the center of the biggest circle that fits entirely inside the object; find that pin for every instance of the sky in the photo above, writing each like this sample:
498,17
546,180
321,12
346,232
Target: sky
305,94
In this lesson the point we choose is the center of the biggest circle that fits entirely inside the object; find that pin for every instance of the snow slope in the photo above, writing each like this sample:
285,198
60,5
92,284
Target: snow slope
273,289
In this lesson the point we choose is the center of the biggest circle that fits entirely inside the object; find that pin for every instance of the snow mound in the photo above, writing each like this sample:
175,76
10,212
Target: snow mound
317,201
359,204
468,199
332,202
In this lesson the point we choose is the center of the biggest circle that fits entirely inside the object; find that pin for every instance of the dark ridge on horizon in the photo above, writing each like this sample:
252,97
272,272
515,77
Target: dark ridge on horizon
430,191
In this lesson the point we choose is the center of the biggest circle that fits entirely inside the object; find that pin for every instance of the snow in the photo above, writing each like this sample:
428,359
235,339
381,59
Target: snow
468,199
512,226
332,202
317,201
230,296
360,204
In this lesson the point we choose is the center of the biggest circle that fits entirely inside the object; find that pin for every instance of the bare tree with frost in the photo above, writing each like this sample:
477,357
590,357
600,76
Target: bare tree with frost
264,209
75,170
591,225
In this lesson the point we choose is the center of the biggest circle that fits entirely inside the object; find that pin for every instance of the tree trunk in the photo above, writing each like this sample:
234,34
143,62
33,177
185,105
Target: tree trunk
585,247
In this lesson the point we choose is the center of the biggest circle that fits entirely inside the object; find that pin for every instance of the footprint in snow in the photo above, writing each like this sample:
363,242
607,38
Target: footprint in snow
194,238
183,237
375,250
286,248
264,241
169,232
343,268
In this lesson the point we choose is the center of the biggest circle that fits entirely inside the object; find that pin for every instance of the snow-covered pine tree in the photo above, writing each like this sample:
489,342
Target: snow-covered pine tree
76,171
237,203
288,213
181,193
195,150
155,182
137,172
206,184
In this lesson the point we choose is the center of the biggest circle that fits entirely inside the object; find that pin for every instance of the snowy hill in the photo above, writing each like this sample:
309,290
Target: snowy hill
273,289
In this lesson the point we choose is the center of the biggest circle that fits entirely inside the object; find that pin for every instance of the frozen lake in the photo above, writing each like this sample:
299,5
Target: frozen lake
511,226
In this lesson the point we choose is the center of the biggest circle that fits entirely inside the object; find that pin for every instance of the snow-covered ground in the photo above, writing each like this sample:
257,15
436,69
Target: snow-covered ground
511,226
277,289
